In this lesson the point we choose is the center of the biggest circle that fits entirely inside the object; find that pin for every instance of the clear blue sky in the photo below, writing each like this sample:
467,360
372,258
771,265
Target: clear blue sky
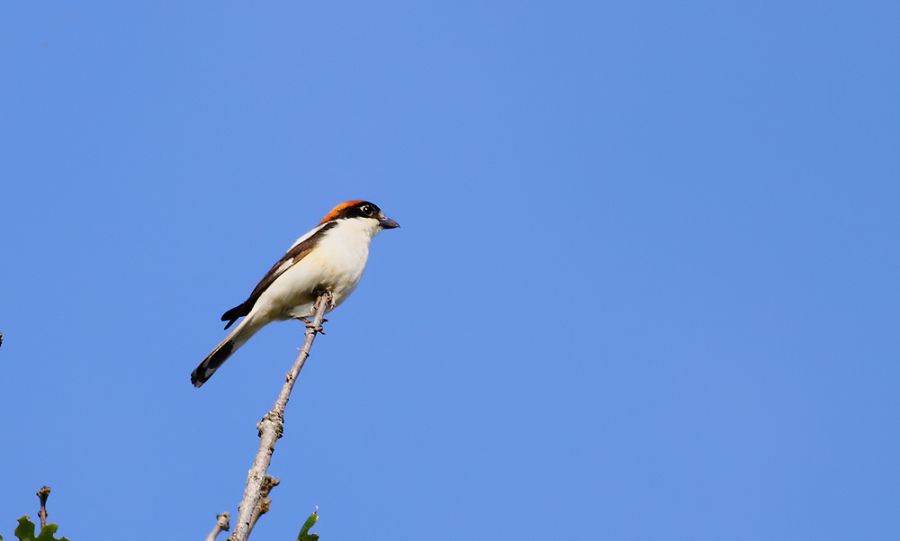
646,286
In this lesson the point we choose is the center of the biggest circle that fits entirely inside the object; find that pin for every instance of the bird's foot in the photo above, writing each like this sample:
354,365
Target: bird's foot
316,328
329,300
311,324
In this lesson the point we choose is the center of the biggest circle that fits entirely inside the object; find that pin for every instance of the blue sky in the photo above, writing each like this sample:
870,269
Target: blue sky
646,285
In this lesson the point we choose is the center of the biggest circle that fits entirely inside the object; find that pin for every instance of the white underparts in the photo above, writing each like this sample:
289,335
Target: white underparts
335,264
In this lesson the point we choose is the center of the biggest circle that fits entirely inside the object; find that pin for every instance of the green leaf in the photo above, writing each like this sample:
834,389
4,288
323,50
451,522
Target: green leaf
25,530
304,531
47,533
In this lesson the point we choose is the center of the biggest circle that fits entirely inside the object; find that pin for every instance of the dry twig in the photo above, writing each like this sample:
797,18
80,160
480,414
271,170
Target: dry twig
222,525
271,428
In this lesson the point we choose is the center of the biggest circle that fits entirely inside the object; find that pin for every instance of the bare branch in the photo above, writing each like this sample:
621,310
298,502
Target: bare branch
271,428
265,502
222,525
42,495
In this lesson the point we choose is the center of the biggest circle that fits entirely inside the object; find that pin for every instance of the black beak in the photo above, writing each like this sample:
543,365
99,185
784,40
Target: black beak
387,223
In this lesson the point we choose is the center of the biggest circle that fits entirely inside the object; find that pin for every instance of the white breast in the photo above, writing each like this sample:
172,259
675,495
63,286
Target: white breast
335,264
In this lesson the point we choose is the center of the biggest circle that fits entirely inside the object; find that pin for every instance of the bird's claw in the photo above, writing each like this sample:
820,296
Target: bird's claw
310,324
316,328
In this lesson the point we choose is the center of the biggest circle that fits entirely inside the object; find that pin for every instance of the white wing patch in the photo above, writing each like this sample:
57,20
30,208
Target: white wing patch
308,234
285,266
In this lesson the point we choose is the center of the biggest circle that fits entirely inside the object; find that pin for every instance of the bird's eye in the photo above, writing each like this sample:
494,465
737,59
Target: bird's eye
366,209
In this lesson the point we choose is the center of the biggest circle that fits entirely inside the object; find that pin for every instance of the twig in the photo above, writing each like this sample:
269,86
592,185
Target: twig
265,502
42,495
270,429
222,525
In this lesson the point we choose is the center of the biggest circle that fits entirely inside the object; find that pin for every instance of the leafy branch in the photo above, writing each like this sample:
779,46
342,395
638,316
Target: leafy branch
27,530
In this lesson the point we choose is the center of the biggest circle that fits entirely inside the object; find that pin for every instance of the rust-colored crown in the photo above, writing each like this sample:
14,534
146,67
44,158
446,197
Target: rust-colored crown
335,213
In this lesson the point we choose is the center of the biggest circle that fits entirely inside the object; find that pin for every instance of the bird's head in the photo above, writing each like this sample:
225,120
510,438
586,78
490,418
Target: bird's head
357,209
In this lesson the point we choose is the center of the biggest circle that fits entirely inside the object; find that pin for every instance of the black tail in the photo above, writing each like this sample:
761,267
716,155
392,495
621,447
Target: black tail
212,362
238,311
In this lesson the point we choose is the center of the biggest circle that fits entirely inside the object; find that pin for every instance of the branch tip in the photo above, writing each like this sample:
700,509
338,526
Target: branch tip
223,524
43,493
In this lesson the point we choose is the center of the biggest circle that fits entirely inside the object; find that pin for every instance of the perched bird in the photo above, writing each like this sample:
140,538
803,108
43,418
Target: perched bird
329,258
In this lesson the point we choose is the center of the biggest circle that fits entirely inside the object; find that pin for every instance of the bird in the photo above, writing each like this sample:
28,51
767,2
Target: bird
331,257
